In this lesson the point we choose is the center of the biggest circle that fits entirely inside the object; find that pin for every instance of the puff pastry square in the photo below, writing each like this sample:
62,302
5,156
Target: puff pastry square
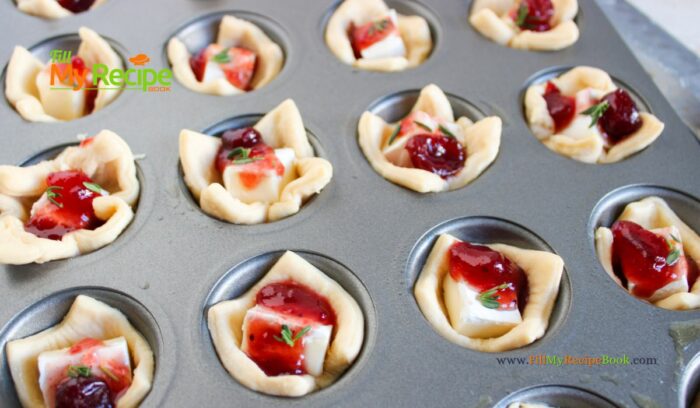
87,318
233,32
108,160
654,213
543,271
496,20
49,8
226,319
581,140
414,32
280,128
27,82
480,140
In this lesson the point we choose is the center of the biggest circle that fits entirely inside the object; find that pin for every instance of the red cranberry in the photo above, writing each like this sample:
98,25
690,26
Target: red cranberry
621,119
561,108
76,6
639,256
244,137
485,269
69,208
438,154
83,392
368,34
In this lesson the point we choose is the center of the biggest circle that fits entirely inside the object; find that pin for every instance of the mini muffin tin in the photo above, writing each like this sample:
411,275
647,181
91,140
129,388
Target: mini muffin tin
173,261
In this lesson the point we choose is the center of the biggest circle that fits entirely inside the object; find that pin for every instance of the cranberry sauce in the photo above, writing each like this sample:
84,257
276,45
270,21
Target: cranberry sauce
265,344
561,108
83,392
438,154
534,15
69,206
490,273
641,258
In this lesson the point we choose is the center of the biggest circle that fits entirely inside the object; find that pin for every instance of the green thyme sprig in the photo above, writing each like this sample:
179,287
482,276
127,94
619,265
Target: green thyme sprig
596,111
394,134
489,298
378,27
52,195
75,371
241,155
675,253
447,131
94,187
423,125
286,335
222,57
523,11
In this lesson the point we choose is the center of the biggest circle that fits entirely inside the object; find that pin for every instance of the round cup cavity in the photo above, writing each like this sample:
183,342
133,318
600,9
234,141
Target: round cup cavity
198,33
239,279
490,230
609,208
557,396
52,309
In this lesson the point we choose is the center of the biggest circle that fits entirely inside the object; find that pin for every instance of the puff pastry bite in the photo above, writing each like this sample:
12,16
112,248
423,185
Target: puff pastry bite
488,297
243,58
74,204
295,331
28,83
653,254
427,151
94,356
583,115
369,35
541,25
253,175
56,8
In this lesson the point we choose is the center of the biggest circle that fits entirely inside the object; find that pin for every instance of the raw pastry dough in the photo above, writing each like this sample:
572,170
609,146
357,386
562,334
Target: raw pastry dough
87,317
650,213
491,18
233,32
108,161
543,271
48,8
21,88
591,146
281,127
414,30
481,141
226,322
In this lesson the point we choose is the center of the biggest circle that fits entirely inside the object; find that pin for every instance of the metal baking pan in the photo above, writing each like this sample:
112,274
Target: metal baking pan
174,261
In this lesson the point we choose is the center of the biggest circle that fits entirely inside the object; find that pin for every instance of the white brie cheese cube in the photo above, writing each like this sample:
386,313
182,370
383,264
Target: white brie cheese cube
580,128
53,364
680,283
586,98
472,319
315,342
270,185
391,46
213,72
396,152
63,104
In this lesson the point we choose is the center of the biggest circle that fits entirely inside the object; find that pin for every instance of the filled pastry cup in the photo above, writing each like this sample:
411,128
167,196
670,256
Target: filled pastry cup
87,207
332,346
35,361
476,319
28,82
218,71
650,224
389,41
583,115
526,24
243,190
387,146
53,9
